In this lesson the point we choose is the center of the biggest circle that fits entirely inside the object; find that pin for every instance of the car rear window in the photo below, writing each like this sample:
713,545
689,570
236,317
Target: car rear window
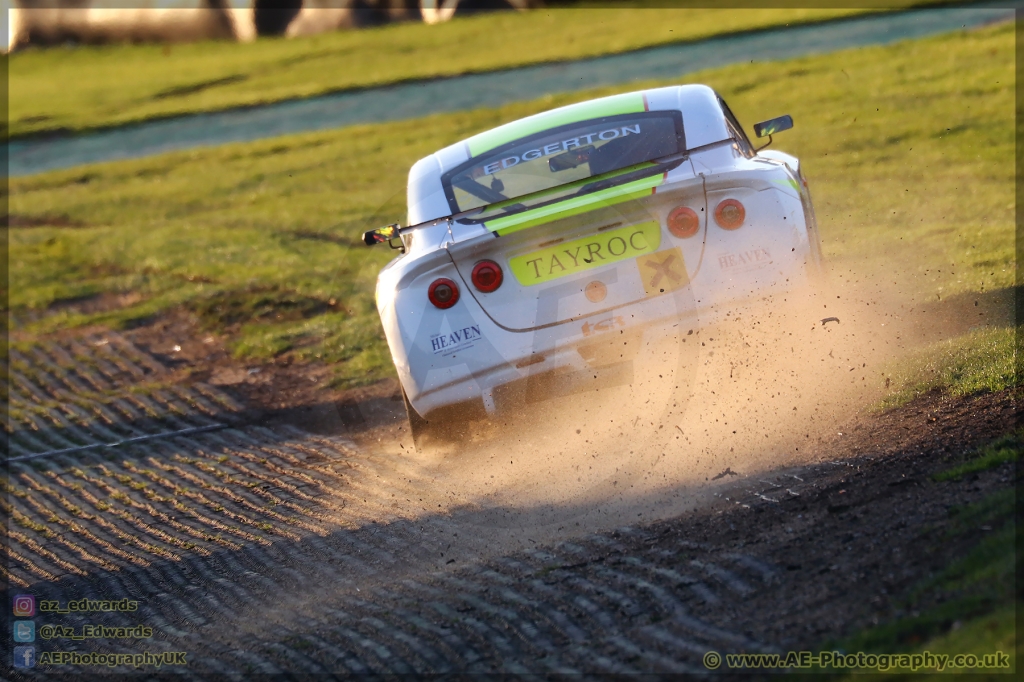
562,155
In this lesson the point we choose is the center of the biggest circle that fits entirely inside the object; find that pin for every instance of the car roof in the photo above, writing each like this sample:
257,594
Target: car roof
703,123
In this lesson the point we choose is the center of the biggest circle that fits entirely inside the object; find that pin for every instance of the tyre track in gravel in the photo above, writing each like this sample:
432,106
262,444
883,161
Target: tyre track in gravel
267,550
212,532
605,603
624,602
168,499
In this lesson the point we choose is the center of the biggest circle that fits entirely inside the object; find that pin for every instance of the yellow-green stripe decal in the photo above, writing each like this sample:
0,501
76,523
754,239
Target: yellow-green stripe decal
576,205
789,183
627,103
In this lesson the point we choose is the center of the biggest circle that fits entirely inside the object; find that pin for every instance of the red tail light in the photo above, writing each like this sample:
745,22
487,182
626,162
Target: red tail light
730,214
683,222
487,276
443,293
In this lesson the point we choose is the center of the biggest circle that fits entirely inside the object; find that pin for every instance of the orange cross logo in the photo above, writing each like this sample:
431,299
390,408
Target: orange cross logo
663,271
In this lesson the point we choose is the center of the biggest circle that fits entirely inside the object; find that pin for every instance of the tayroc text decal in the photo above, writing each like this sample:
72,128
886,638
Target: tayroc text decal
586,253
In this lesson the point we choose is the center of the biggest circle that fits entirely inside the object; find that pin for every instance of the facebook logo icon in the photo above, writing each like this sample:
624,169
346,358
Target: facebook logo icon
24,657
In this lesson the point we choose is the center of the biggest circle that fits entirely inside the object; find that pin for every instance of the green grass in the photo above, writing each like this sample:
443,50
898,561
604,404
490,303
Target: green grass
1003,450
93,86
902,145
974,597
981,361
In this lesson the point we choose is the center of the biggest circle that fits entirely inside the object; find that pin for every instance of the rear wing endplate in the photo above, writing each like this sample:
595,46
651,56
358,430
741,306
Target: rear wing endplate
383,234
389,233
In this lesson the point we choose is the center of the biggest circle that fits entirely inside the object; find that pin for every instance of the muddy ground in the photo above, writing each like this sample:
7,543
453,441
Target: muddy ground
301,537
272,392
835,546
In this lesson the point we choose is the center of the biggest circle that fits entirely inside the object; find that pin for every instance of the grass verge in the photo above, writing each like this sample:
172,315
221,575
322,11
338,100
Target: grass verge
91,86
979,361
1003,450
902,144
973,600
970,606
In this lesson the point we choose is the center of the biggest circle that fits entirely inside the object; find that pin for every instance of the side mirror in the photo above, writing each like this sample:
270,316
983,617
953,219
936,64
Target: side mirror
773,125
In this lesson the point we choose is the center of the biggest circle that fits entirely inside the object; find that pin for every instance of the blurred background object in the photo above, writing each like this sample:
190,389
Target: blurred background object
436,11
318,16
60,22
55,22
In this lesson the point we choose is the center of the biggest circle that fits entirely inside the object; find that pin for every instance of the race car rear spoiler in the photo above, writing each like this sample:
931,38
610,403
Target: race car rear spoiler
388,233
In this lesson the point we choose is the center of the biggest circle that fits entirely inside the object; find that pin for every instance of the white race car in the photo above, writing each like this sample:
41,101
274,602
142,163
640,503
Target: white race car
537,251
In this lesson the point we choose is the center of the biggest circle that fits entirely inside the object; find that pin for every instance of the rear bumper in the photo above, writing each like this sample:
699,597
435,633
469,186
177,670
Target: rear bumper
462,356
531,367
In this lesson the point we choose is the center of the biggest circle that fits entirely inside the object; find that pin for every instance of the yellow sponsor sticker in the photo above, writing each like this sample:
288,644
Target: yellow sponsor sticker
663,271
586,253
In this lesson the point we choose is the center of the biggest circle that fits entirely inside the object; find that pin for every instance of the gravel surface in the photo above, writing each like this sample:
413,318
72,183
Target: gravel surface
262,547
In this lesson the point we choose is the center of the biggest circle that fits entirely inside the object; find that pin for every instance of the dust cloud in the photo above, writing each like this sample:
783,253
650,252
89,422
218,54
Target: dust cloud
739,391
751,391
760,388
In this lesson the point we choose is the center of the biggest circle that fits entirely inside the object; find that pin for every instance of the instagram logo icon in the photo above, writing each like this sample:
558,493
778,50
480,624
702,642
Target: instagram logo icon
24,605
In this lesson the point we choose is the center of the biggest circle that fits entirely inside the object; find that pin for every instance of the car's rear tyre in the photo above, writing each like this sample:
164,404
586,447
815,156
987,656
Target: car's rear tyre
446,426
418,426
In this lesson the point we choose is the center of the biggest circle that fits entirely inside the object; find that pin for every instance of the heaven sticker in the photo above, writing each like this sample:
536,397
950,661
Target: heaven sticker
745,260
460,339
